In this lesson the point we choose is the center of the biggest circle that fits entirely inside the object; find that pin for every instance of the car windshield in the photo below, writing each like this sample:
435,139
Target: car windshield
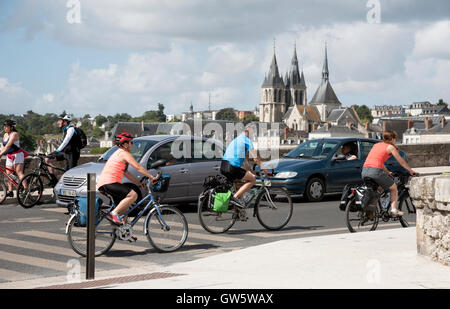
140,147
315,149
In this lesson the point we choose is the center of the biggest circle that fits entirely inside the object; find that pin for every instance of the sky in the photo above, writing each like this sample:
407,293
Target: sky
107,57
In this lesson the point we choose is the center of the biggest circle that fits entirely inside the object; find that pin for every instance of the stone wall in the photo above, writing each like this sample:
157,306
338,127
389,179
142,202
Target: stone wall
427,155
431,195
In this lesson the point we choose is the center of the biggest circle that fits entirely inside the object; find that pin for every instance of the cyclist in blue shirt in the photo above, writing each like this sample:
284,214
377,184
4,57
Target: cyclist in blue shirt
234,157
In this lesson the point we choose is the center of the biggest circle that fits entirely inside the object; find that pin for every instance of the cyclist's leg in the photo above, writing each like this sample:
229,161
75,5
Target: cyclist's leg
123,196
18,167
250,181
9,171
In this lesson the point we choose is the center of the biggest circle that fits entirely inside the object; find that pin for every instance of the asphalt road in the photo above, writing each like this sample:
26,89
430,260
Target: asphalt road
33,243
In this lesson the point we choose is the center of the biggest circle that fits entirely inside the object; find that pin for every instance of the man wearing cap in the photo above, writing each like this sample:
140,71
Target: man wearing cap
69,149
232,160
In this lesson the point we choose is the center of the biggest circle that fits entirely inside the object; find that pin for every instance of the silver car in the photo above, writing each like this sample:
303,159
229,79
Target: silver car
190,160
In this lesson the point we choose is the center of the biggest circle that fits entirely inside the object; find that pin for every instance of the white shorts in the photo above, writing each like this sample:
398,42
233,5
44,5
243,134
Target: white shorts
18,159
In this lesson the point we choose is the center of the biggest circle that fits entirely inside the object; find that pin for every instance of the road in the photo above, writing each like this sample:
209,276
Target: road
33,244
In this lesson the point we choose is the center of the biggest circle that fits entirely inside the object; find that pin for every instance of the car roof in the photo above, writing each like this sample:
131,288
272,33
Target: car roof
161,138
345,139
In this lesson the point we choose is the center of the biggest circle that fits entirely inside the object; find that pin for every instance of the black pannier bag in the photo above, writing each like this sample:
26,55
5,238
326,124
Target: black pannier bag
220,183
367,198
344,198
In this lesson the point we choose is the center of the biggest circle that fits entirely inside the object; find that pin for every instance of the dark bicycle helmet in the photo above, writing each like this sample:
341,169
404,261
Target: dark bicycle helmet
10,123
122,138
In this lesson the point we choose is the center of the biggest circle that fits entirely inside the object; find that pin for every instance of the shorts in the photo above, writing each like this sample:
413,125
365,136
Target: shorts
118,191
379,176
18,159
232,172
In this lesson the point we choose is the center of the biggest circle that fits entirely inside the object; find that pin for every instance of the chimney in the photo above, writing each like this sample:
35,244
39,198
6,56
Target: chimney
443,122
285,131
410,124
367,126
327,126
428,123
142,126
383,125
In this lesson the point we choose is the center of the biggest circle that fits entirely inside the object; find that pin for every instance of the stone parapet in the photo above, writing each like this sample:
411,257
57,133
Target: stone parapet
431,195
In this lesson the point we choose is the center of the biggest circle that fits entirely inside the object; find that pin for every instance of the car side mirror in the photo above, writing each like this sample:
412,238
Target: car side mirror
340,157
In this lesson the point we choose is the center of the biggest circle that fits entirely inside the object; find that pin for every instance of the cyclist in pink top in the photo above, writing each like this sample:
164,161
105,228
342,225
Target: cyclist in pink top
113,172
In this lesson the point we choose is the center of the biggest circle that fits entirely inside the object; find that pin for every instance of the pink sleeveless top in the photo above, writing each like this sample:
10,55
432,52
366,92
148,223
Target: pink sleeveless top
377,155
113,171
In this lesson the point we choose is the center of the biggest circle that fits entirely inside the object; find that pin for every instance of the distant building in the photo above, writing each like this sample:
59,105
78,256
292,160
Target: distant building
386,110
431,133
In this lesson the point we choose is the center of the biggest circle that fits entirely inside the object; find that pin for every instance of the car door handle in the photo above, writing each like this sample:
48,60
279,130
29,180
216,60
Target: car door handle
216,168
184,171
357,166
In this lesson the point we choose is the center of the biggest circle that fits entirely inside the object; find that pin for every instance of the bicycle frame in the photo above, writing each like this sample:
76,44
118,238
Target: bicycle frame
261,186
3,170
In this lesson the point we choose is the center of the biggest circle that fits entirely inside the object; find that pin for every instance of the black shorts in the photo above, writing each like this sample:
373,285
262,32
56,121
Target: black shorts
232,172
70,157
118,191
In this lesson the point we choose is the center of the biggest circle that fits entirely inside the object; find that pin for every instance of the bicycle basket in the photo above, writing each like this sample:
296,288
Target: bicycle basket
163,184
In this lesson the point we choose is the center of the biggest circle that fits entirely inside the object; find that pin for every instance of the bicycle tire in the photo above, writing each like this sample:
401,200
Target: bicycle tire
3,191
172,238
212,221
77,237
274,208
361,215
25,196
410,209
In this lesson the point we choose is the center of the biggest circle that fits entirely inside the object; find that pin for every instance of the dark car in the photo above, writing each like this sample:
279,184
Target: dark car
317,166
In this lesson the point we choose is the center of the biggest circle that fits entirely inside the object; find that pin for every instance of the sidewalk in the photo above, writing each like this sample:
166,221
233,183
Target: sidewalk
381,259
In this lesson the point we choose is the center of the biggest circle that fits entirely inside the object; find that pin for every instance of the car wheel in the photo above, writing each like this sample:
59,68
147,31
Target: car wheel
315,189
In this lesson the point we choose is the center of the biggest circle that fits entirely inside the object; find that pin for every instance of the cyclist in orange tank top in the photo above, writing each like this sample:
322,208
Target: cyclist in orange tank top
374,167
113,172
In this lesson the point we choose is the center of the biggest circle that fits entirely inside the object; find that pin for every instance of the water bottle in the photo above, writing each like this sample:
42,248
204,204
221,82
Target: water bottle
386,201
14,177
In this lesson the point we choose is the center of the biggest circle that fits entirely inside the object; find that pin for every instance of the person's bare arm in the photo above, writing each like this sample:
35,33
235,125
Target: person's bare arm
12,138
254,156
132,161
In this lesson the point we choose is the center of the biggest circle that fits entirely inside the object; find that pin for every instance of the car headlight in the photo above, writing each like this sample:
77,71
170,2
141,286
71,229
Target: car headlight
286,175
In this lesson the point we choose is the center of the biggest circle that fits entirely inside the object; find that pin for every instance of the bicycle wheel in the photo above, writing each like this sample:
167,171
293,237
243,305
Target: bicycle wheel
274,208
358,220
167,230
105,236
406,205
212,221
31,195
3,190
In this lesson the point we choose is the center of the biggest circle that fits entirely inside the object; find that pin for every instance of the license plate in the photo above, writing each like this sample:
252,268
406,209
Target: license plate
69,193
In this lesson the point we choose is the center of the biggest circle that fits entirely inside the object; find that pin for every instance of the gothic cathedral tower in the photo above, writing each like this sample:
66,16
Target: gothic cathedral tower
273,100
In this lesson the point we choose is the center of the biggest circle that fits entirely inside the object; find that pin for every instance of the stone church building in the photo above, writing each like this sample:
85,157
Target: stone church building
285,100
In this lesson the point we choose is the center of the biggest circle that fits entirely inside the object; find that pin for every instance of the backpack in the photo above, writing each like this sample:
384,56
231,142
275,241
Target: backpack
82,139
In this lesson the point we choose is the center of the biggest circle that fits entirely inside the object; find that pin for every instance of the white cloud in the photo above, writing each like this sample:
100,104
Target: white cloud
433,41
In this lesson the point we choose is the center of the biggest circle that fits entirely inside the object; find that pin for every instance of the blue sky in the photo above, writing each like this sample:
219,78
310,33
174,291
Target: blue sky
127,56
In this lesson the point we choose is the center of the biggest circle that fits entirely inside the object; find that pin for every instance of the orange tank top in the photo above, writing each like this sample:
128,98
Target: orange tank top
113,171
377,156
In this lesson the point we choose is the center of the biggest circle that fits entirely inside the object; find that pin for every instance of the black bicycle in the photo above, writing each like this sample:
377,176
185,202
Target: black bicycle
365,205
31,187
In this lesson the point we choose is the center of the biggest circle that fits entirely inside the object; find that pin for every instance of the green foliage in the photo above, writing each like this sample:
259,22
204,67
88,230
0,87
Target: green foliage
251,117
99,150
441,102
226,114
363,113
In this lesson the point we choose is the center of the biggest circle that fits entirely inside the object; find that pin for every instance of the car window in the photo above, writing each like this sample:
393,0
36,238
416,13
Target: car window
316,149
140,147
206,151
353,147
366,147
173,152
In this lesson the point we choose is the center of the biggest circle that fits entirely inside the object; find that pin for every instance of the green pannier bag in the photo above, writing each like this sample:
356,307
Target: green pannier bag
221,201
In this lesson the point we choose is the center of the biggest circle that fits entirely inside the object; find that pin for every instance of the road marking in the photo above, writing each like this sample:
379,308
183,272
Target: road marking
11,275
34,261
29,220
57,210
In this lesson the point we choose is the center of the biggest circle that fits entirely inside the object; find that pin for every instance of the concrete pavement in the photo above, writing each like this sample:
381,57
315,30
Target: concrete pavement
381,259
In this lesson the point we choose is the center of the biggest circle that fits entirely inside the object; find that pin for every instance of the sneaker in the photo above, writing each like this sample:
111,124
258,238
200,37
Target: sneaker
114,219
396,213
239,201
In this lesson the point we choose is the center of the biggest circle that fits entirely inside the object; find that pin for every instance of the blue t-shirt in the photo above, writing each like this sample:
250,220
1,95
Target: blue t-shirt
237,150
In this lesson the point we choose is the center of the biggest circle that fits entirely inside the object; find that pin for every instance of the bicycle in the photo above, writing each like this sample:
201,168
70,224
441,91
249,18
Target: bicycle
273,208
31,187
165,226
12,178
359,219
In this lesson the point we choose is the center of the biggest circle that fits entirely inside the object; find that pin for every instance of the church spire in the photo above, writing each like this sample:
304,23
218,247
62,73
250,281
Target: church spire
295,77
273,78
325,72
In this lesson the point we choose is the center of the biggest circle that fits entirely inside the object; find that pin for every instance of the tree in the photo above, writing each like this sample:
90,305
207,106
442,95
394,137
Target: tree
153,116
363,113
226,114
441,102
251,117
100,119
